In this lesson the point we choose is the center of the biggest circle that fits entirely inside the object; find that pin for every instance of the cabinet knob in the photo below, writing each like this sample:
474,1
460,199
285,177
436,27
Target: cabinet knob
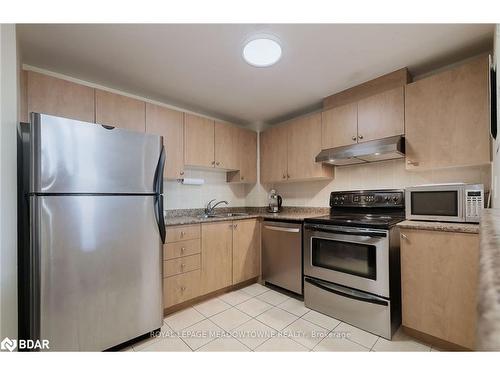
213,162
183,249
411,162
287,176
183,265
284,176
360,136
182,173
183,288
404,236
183,233
354,138
242,178
235,226
217,163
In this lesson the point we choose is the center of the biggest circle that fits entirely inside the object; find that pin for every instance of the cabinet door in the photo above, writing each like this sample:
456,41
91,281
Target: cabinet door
273,154
169,124
216,255
246,250
54,96
226,138
246,149
381,115
304,143
120,111
198,141
439,276
339,126
447,118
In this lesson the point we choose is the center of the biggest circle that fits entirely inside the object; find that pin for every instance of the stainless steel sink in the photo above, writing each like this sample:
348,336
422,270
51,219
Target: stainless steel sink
229,214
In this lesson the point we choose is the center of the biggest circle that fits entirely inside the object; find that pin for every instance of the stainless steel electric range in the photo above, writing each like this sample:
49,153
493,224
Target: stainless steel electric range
351,260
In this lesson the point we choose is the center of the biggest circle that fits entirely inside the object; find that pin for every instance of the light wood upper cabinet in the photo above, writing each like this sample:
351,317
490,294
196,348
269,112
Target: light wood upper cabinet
169,124
58,97
339,126
273,154
198,141
216,259
120,111
304,143
246,150
447,118
226,139
381,115
246,250
439,279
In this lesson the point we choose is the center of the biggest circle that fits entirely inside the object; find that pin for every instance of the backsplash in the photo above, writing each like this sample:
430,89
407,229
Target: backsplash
381,175
196,196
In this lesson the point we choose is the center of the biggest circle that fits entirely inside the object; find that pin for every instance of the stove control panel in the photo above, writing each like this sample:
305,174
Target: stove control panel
367,198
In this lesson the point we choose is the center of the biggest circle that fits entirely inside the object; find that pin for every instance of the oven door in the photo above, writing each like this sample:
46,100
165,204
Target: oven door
353,257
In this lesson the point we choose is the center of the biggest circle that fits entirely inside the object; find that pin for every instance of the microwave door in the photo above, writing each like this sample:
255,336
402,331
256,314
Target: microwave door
435,204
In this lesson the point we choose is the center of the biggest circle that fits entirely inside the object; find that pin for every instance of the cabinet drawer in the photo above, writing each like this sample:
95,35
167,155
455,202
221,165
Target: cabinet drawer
181,249
180,288
183,232
181,265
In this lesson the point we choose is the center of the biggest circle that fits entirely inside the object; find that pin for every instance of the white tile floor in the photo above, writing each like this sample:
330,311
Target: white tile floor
259,319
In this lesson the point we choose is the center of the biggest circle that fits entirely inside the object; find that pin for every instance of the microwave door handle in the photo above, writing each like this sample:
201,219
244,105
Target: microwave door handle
282,229
348,294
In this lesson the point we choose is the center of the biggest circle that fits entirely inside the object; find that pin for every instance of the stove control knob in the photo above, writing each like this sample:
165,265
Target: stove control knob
395,198
387,198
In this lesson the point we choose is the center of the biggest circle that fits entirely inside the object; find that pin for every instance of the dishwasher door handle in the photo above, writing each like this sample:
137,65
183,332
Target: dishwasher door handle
282,229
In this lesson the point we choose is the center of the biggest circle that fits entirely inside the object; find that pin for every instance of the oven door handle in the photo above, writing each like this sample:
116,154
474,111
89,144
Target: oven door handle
344,292
347,231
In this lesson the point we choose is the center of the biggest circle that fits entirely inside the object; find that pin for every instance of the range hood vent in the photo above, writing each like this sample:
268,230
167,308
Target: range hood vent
366,152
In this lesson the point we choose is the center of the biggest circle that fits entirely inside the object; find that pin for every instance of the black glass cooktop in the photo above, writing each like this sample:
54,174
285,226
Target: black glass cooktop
357,220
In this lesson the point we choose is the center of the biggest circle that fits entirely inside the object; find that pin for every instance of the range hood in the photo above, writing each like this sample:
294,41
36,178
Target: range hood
366,152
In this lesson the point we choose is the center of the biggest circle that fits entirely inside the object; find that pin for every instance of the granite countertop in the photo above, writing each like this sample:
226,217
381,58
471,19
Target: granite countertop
488,327
193,216
440,226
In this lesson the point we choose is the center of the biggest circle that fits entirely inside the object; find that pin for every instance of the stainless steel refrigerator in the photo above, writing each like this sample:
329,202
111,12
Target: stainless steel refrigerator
91,229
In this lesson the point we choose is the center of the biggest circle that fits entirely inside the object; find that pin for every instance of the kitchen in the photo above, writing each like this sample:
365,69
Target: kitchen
364,221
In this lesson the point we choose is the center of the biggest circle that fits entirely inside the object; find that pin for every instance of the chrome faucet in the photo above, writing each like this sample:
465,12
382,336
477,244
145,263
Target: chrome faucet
209,210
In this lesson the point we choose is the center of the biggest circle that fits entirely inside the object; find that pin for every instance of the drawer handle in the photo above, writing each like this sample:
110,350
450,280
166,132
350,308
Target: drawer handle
183,288
411,162
183,233
282,229
182,250
183,265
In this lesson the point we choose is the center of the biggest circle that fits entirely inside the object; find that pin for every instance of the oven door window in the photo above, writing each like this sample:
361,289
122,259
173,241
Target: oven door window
347,257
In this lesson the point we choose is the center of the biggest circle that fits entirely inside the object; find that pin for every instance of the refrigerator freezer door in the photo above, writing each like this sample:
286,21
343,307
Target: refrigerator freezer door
71,156
100,275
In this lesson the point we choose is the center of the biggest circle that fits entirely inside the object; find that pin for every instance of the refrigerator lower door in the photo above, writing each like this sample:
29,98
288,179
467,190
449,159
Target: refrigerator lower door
100,274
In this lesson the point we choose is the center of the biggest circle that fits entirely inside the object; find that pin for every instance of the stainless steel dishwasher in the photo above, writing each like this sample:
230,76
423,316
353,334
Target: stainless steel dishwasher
282,254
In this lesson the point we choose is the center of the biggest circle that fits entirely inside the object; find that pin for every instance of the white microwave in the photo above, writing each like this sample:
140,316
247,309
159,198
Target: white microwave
445,202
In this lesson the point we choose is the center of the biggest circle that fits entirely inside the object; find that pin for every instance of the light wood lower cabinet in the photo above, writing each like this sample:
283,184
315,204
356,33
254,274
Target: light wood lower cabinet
58,97
216,260
120,111
225,253
169,124
439,280
246,250
181,288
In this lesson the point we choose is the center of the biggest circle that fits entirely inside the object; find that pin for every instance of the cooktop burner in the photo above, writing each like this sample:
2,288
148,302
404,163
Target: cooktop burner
371,209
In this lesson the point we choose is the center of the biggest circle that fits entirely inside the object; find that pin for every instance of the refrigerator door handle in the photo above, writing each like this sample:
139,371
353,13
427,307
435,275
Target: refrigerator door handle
158,188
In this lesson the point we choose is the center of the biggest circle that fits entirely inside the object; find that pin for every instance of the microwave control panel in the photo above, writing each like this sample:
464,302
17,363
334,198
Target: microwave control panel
474,203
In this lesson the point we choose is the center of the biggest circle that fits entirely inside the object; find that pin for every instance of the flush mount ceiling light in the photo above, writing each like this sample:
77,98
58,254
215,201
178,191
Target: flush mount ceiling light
262,51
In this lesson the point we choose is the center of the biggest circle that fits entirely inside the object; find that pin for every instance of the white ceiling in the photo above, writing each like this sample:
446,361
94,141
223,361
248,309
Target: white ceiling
200,68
